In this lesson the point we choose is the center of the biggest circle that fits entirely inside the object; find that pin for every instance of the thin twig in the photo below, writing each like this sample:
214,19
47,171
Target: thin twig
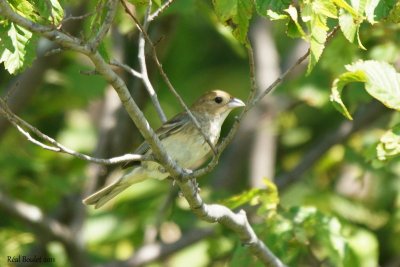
53,52
126,68
166,79
84,16
290,69
251,102
143,67
22,125
156,13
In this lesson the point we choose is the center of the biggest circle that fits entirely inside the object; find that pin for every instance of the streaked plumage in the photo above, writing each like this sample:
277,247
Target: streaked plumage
181,139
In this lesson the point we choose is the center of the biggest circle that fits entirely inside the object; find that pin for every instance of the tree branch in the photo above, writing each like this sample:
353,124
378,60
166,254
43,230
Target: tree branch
110,76
235,221
21,125
212,213
143,32
143,67
125,67
156,13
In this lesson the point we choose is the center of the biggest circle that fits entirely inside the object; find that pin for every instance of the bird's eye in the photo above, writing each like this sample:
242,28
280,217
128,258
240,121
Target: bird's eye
218,99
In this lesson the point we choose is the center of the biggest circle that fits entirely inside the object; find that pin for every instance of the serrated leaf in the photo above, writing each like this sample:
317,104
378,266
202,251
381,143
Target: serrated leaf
347,25
18,49
370,10
381,81
294,29
314,15
49,11
236,14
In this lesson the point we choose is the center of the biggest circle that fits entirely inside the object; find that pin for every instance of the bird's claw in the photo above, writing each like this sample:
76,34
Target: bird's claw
196,186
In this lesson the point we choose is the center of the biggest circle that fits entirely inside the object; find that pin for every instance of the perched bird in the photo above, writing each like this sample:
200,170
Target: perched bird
182,141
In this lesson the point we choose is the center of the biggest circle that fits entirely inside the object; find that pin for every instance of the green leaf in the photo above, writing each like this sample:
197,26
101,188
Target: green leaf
267,198
370,10
294,29
394,15
18,49
315,15
389,145
236,14
384,9
49,11
347,25
381,81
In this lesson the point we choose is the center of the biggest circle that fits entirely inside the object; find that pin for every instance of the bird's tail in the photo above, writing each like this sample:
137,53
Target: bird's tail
101,197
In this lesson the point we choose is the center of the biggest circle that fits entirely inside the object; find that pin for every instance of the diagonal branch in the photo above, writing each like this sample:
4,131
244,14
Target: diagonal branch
24,128
250,103
237,222
143,31
125,67
156,13
143,67
110,76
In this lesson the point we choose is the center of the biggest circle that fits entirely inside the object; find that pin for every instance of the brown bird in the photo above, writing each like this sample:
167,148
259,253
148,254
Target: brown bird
182,141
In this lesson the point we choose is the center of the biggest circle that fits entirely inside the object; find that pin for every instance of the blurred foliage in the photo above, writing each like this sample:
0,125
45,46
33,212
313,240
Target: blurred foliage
343,211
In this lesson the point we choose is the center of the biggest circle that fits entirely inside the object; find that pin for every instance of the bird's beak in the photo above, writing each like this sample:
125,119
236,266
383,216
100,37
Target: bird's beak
235,103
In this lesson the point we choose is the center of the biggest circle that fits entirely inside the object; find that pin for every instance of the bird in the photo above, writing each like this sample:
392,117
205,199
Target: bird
182,140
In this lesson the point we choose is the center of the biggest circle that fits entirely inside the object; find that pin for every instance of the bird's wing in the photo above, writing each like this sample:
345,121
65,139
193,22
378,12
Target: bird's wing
170,127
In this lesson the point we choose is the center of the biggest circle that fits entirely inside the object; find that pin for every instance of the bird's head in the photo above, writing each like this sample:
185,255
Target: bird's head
217,102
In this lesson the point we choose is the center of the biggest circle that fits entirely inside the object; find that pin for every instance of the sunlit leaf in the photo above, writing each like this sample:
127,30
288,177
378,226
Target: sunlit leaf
17,50
347,25
315,15
236,14
381,82
294,28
